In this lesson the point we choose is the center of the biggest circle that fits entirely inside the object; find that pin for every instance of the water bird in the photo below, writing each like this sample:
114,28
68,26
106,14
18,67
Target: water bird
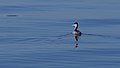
76,33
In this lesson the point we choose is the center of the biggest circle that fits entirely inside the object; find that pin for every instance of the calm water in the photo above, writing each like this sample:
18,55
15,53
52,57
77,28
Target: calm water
37,34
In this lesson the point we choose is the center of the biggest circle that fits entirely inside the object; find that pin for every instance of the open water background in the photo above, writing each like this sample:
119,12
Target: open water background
37,33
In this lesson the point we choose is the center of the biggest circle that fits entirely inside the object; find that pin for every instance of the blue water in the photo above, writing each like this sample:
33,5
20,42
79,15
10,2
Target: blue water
37,34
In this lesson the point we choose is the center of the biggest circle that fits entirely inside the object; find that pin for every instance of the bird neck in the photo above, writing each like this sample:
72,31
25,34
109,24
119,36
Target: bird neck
75,29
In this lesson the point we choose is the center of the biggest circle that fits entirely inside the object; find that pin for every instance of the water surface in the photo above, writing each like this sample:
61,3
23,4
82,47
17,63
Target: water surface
35,34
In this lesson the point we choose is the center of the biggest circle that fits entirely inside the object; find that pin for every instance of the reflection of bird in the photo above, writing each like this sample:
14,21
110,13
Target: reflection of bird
76,32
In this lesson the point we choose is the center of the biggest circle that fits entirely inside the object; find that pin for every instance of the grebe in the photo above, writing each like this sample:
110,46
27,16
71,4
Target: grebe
76,32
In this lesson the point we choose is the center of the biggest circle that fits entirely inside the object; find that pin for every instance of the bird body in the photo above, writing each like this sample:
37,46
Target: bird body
76,31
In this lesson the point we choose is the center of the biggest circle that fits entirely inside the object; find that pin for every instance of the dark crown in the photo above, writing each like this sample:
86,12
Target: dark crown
75,23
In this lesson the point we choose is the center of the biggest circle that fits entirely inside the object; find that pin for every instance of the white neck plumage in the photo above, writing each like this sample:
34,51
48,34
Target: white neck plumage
75,26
